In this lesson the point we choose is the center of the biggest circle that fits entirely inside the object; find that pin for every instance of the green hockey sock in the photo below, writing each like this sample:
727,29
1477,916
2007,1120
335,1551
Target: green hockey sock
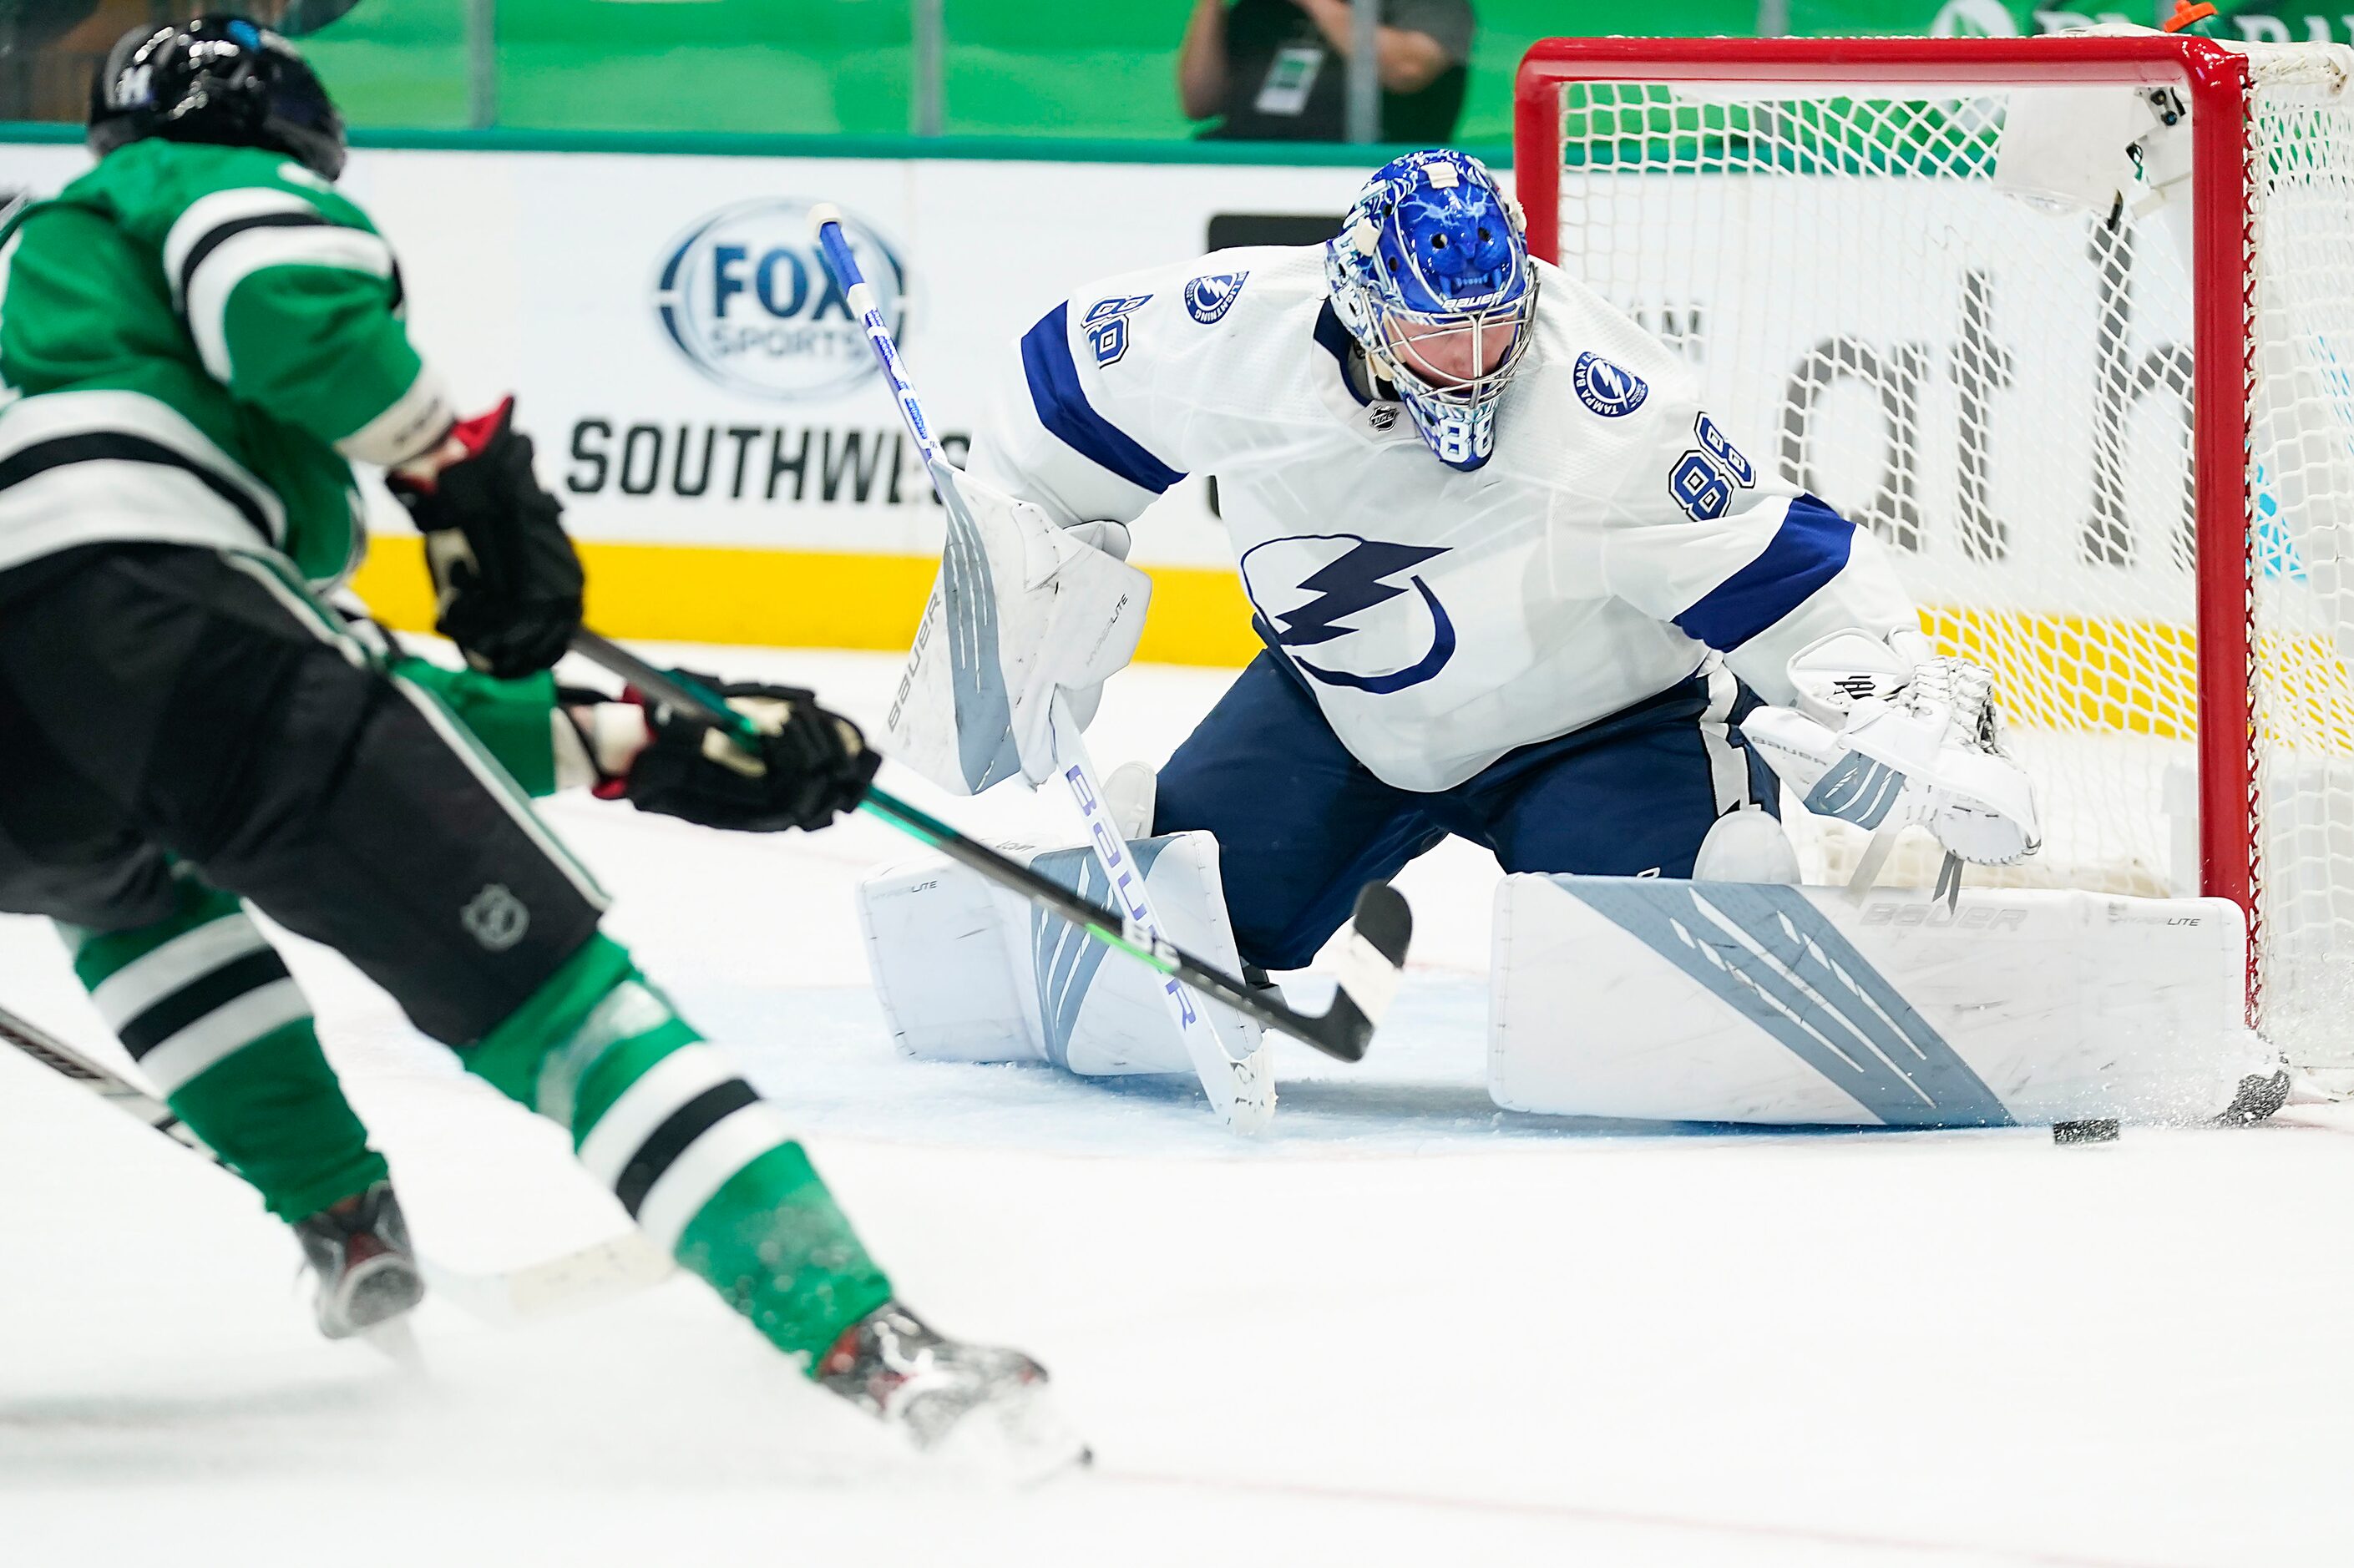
705,1167
206,1009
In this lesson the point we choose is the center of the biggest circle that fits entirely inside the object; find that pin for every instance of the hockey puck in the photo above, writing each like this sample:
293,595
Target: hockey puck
2084,1131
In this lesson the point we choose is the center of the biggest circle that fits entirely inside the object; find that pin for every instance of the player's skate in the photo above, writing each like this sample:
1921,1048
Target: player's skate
367,1275
984,1407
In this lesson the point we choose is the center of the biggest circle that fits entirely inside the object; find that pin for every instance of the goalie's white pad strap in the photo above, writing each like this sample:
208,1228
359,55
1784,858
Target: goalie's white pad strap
969,972
1673,1000
1746,846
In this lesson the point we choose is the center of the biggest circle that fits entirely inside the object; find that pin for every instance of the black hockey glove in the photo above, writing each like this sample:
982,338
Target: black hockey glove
505,576
813,765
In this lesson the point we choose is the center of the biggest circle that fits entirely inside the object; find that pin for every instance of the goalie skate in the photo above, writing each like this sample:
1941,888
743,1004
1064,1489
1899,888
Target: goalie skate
984,1408
367,1274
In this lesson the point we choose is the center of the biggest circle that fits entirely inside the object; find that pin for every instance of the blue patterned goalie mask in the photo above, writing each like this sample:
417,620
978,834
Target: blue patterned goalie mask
1430,274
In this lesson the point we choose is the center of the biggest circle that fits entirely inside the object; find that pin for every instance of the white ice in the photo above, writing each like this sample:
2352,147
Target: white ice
1402,1328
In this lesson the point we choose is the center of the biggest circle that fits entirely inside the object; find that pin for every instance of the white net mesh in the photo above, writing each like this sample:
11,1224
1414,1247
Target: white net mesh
2301,477
2002,390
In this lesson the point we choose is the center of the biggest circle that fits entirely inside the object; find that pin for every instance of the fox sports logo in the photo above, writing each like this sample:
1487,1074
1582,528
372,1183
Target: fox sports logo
744,295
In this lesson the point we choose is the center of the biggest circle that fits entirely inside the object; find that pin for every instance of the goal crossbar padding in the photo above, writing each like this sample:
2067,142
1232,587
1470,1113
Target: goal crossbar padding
1661,1000
969,972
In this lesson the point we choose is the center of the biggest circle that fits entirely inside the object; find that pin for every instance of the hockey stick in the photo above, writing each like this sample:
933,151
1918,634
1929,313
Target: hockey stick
1370,961
1241,1089
574,1279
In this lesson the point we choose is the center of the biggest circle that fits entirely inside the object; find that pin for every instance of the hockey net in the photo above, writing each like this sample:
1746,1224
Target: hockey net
2003,387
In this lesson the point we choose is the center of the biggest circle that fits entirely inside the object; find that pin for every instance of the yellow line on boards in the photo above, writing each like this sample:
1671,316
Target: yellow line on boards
802,599
2087,674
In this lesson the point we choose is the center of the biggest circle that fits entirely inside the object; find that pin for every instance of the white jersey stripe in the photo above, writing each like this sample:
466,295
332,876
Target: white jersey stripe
54,415
242,255
219,210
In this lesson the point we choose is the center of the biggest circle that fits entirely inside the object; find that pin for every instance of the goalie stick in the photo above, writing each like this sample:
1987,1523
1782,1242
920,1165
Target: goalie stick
1242,1090
573,1280
1370,960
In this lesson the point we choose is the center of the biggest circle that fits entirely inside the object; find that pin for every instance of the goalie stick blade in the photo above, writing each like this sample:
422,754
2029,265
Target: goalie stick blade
1367,968
1384,918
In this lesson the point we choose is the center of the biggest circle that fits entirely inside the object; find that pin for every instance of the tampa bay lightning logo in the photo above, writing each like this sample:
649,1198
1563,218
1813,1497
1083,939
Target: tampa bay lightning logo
1208,300
1607,389
1335,592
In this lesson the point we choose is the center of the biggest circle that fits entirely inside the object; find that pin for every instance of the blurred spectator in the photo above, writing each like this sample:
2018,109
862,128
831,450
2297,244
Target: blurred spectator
1277,70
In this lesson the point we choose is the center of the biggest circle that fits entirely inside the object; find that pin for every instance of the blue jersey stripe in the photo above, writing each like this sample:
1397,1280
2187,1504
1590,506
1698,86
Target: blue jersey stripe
1063,407
1805,552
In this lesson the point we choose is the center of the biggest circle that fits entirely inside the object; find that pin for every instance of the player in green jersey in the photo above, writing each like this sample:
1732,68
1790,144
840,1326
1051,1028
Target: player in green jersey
197,339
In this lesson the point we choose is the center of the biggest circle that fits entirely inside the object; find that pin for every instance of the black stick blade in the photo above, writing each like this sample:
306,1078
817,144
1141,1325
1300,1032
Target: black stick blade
1383,919
1368,968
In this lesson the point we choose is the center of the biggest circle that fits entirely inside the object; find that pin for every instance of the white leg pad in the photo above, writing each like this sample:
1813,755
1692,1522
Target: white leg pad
968,972
1663,1000
940,944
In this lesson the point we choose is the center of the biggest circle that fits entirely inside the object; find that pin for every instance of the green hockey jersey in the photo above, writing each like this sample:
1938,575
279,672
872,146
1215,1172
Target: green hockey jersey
194,341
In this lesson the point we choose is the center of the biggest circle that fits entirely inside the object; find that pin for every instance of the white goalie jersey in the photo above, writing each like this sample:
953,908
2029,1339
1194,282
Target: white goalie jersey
1616,542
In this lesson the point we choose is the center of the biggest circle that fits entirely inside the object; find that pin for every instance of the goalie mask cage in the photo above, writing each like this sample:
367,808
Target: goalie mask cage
2111,445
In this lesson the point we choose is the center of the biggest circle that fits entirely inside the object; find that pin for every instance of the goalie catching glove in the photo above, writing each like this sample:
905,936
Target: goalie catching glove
506,580
1890,734
813,763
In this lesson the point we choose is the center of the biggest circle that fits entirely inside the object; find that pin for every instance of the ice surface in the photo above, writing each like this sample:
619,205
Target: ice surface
1402,1328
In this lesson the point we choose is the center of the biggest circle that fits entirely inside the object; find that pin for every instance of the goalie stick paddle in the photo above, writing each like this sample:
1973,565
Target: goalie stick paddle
593,1274
1370,959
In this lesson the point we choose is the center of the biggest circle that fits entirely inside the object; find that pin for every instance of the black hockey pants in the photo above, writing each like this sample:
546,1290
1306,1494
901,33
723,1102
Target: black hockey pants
161,704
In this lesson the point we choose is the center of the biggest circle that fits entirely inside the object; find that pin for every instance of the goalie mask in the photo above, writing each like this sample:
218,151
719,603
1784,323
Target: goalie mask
1430,274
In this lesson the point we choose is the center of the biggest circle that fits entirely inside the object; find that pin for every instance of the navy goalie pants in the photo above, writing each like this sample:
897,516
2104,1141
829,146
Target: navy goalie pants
1301,824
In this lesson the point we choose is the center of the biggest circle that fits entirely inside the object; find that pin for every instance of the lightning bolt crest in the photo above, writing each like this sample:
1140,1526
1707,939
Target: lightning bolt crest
1346,587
